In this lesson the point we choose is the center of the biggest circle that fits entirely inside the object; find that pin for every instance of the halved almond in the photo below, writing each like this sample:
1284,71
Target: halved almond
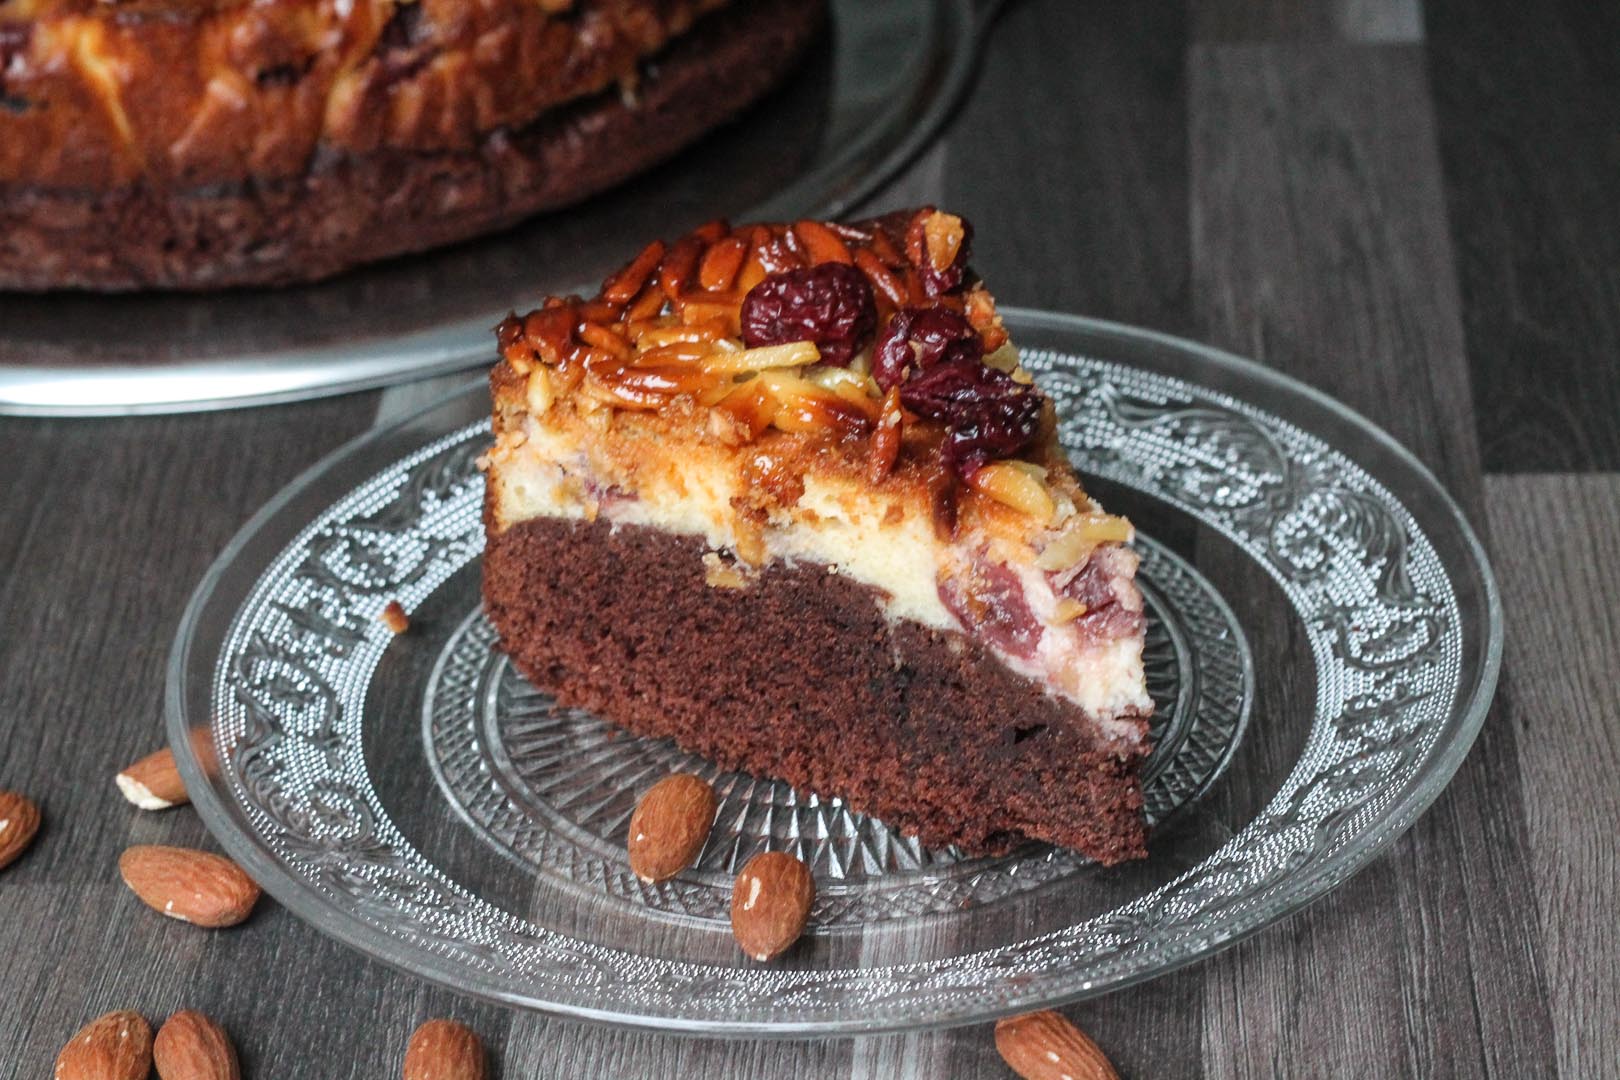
153,783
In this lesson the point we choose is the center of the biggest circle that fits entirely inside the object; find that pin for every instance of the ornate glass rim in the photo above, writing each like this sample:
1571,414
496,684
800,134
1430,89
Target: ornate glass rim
1057,983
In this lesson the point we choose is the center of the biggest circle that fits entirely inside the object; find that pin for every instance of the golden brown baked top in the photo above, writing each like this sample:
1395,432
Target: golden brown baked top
187,93
865,351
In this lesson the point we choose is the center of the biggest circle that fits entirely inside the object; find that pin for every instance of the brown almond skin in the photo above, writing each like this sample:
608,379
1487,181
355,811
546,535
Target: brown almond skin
1045,1046
394,617
193,886
19,823
153,783
444,1050
190,1046
770,904
114,1046
670,826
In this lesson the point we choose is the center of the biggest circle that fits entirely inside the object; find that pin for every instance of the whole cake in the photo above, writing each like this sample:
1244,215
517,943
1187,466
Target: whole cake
785,494
206,143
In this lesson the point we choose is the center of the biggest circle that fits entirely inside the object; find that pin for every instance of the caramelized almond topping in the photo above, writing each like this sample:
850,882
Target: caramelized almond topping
821,243
622,287
721,263
668,328
942,236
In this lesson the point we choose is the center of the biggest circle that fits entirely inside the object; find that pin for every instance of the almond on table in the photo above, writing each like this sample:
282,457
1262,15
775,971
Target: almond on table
1045,1046
113,1046
153,783
191,1046
193,886
19,824
444,1050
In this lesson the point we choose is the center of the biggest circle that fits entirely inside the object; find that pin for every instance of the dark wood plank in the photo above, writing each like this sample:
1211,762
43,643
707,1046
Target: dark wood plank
1385,22
116,522
1070,158
1319,247
1561,586
1528,103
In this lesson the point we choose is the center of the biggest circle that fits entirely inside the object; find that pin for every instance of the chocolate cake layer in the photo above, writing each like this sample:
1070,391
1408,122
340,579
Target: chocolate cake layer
800,676
352,208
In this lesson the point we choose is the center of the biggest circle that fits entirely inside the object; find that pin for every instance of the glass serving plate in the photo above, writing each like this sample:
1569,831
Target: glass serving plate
867,98
1323,641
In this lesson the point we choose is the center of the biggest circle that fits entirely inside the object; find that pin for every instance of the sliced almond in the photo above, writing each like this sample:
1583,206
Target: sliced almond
444,1050
770,904
190,1046
1068,610
114,1046
1069,549
671,823
153,783
943,235
192,886
793,354
1014,487
19,822
1045,1046
539,392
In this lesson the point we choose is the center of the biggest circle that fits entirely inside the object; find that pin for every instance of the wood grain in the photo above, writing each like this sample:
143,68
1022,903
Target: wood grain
1380,22
1319,248
1528,98
1561,586
1306,183
1070,159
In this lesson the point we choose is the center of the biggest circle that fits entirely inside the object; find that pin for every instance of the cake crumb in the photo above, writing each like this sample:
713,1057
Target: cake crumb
393,616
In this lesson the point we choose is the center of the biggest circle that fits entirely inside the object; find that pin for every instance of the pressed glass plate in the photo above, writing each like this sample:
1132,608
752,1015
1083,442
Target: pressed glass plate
865,100
1323,641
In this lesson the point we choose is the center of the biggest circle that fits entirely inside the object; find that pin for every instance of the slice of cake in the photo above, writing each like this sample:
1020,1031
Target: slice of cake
784,494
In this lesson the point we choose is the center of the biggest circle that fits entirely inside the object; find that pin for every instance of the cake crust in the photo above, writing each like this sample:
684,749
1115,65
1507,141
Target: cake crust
336,172
801,677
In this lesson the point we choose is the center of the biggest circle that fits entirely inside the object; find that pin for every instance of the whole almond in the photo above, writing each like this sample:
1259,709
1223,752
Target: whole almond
192,886
670,825
19,821
153,783
770,903
116,1046
444,1050
1045,1046
190,1046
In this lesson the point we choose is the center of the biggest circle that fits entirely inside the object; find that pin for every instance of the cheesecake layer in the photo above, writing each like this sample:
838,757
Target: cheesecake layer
984,580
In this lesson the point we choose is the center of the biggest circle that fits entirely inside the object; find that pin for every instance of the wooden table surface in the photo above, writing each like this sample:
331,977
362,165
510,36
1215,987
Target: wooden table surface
1410,204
